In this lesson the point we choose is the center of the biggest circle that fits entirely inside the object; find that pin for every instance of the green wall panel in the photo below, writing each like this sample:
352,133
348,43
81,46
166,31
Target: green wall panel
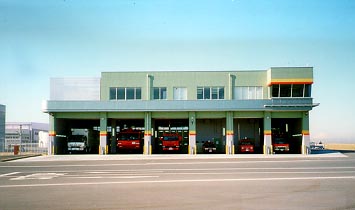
78,115
286,114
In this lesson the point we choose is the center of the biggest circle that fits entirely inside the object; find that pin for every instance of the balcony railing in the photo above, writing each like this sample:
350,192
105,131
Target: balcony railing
180,105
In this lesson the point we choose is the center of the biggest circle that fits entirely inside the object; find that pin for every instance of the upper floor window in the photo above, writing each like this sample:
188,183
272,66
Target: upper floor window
159,92
125,93
291,90
248,92
210,93
180,93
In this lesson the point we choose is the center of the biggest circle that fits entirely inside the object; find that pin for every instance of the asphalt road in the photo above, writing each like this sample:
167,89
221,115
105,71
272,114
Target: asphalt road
231,183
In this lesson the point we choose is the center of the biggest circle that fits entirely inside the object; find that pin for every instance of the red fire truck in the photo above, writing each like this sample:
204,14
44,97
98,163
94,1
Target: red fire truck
246,145
171,142
129,139
280,141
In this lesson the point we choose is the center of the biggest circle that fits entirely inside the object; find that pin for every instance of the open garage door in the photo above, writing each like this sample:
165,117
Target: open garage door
210,135
76,136
125,136
170,136
248,136
286,135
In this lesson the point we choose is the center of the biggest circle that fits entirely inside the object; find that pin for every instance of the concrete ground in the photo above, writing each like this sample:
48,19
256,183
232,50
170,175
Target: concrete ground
318,181
77,157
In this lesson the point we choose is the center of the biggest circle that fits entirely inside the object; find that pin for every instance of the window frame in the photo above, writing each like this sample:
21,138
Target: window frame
306,91
121,93
248,92
160,91
180,93
210,93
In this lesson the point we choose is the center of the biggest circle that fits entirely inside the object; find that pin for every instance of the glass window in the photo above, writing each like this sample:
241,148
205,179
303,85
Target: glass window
275,90
199,93
163,93
113,95
237,93
285,90
156,93
159,92
214,93
180,93
259,92
130,93
307,90
138,93
121,94
297,90
251,93
245,93
221,93
206,93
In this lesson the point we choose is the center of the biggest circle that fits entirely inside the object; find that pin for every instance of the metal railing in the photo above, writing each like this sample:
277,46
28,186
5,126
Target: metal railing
26,148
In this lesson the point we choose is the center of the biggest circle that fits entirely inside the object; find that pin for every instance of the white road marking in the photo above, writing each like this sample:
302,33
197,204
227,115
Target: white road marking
112,177
173,163
180,181
9,174
41,176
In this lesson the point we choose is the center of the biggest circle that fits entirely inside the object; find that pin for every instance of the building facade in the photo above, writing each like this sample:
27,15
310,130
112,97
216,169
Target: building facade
25,134
220,106
2,127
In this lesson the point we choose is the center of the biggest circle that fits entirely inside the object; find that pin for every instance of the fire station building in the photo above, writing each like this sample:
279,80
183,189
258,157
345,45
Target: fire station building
222,107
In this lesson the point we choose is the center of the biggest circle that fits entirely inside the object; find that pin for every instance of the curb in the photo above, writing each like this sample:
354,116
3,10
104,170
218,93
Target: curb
17,157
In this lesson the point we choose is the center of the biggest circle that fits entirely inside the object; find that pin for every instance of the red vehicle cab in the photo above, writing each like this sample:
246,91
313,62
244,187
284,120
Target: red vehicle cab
171,142
246,145
129,139
280,144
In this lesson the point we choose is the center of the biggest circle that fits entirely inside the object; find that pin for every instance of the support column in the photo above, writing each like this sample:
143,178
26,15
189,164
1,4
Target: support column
103,134
52,133
113,137
149,86
305,134
231,85
192,133
267,149
230,134
147,147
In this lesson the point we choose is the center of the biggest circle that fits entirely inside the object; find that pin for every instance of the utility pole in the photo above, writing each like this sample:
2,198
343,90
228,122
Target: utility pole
20,138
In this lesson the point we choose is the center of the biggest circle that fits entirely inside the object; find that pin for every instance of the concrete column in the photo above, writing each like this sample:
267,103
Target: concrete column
147,147
52,133
103,134
305,134
230,134
267,149
113,137
192,133
231,85
149,86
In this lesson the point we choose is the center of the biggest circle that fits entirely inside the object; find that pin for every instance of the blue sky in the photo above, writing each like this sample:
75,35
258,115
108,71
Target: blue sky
65,38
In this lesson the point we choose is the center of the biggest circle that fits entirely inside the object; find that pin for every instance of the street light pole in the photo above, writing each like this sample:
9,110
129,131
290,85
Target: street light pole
20,138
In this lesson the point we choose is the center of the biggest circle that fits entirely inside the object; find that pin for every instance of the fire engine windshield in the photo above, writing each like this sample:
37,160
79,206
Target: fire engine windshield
77,138
280,141
171,138
245,142
128,136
